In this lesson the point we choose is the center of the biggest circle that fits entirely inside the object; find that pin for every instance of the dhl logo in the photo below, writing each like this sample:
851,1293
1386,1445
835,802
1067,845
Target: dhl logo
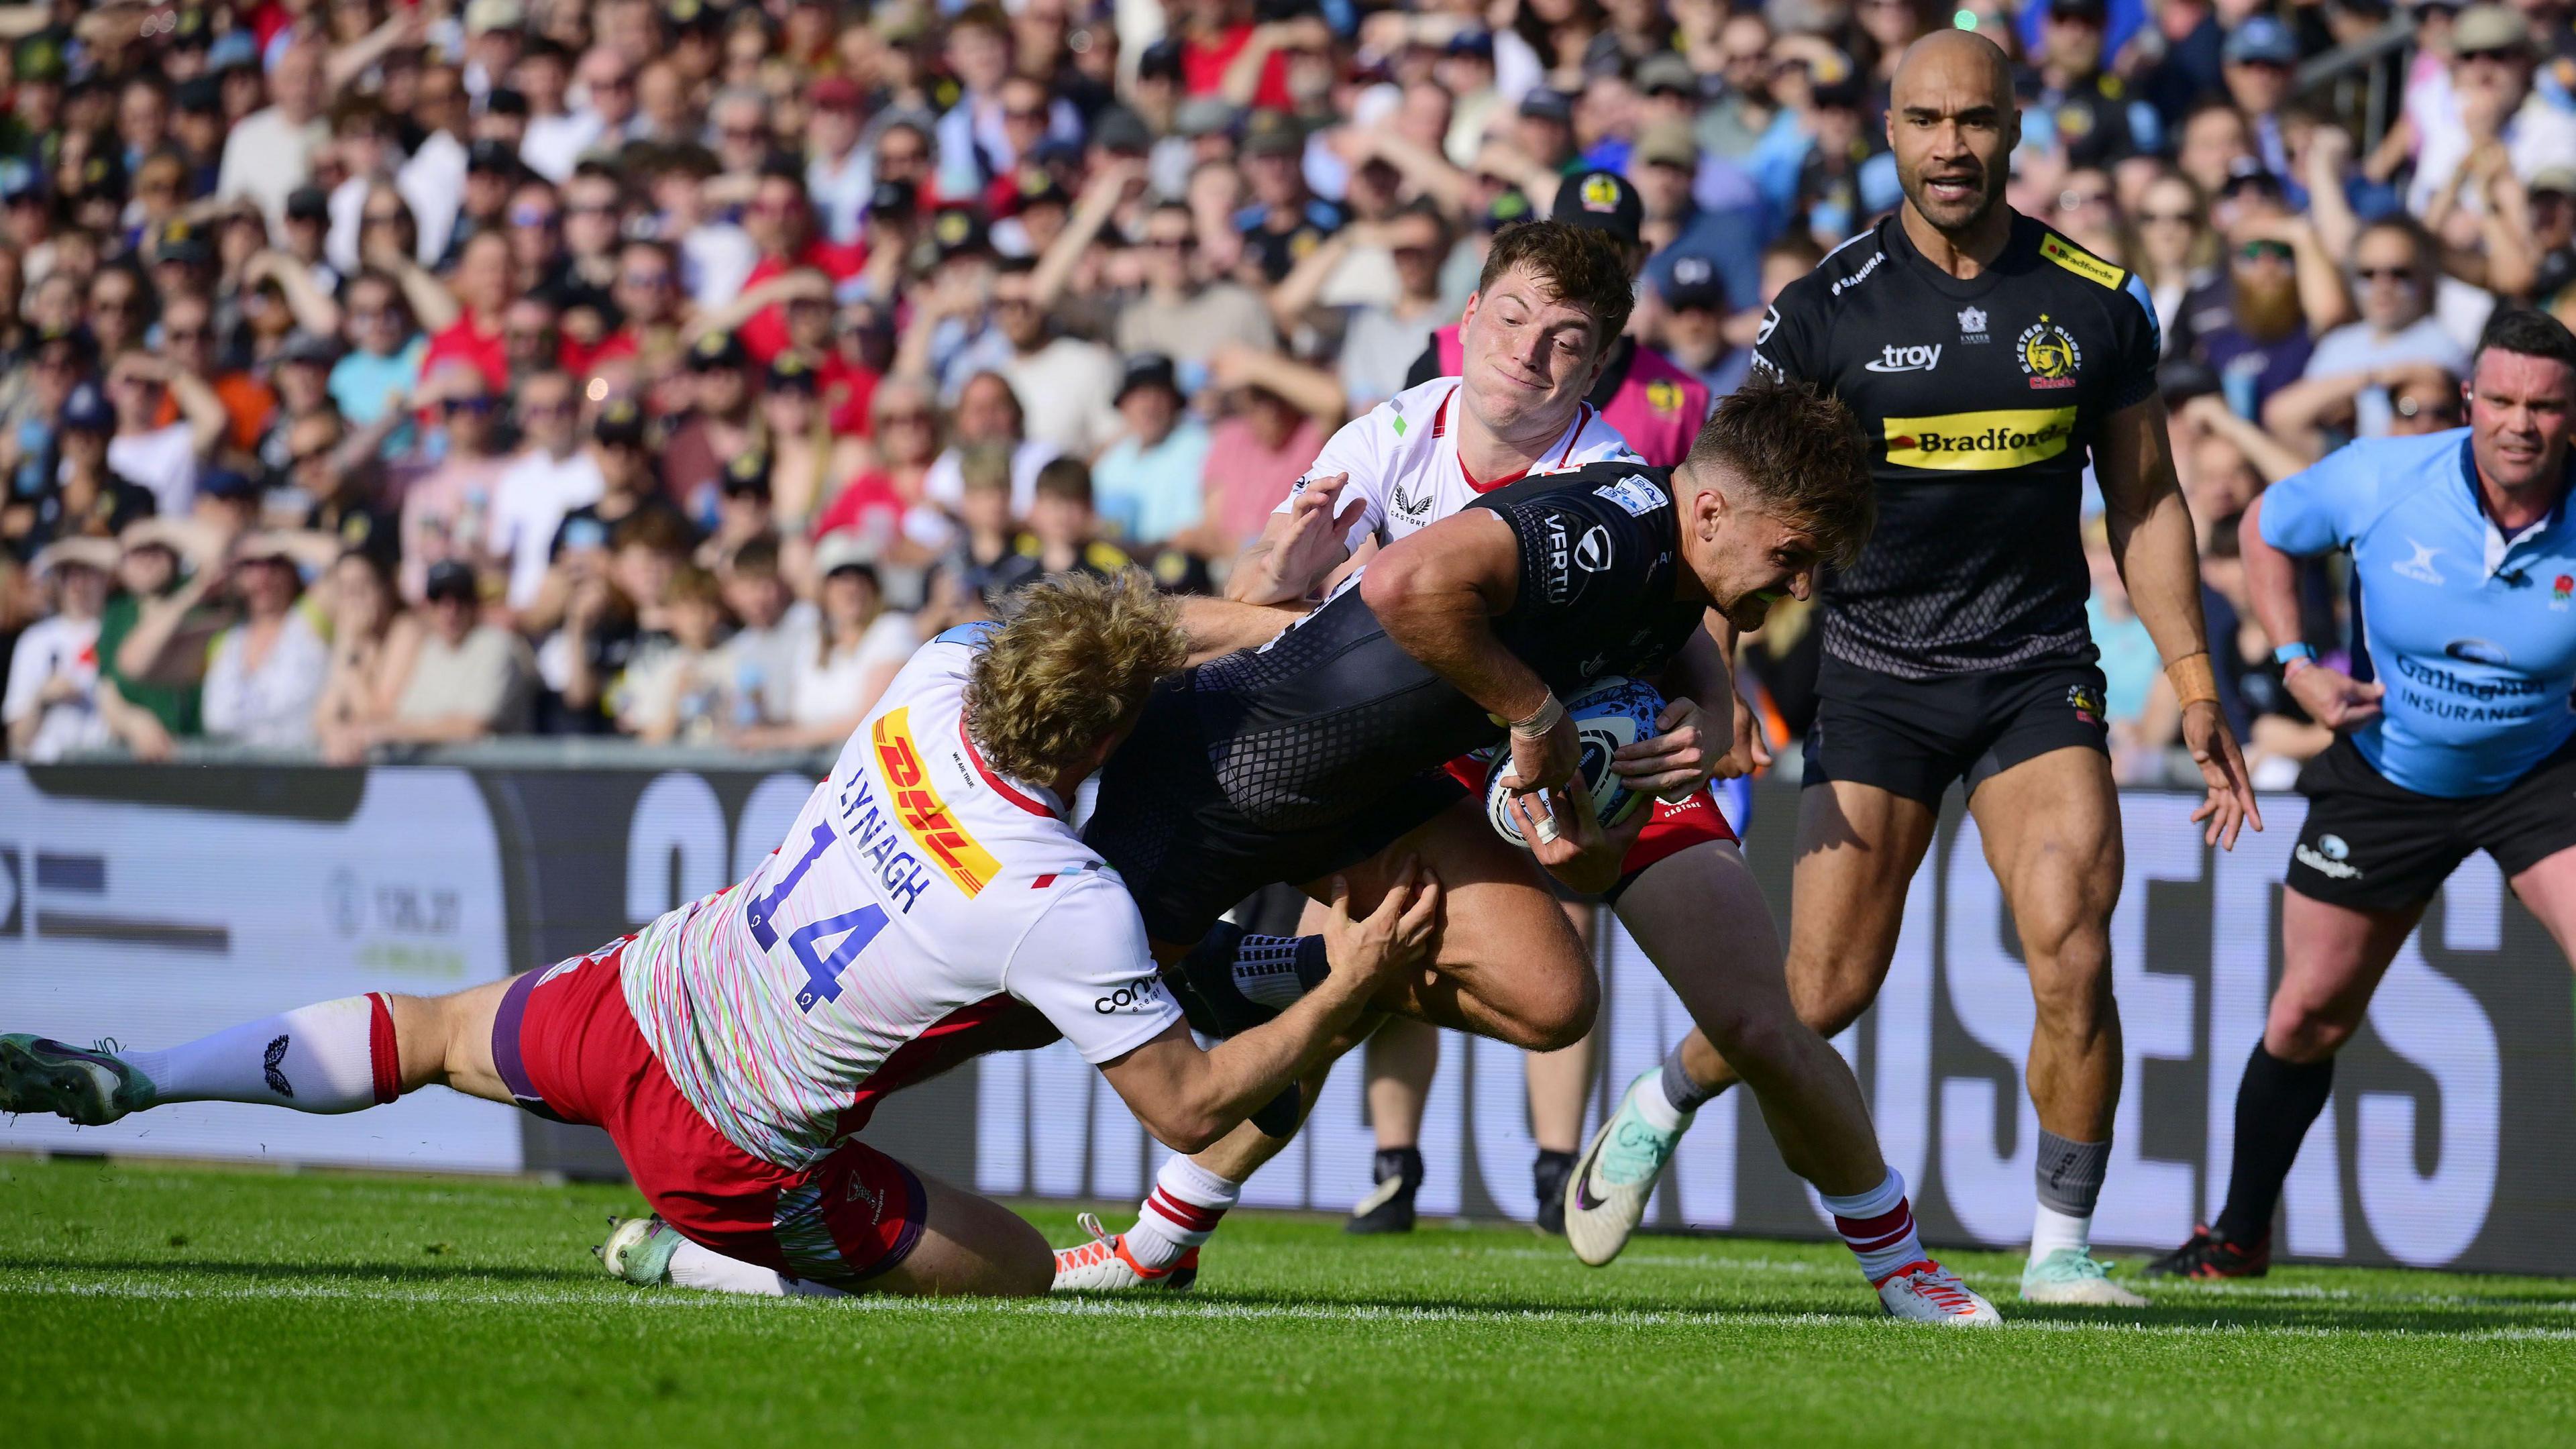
924,815
1981,442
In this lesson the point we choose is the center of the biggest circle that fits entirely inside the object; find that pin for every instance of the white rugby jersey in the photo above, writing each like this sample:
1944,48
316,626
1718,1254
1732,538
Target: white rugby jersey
1402,456
923,910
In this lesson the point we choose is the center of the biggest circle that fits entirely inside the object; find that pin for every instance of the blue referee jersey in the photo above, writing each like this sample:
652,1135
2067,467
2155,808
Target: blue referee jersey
2472,632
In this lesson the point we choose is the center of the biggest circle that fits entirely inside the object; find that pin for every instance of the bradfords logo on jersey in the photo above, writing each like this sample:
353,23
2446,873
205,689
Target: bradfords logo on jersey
1980,442
924,815
2049,358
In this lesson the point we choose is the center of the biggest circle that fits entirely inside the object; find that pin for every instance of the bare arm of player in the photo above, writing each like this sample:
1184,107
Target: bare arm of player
1189,1098
1299,547
1437,593
2159,561
1221,626
2331,697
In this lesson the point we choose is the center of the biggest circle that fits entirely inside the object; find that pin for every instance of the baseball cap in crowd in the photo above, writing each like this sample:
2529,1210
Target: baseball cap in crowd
451,579
1272,133
1161,60
483,15
793,371
841,549
958,232
1508,206
2248,173
1666,71
2559,179
85,410
489,154
309,347
834,93
232,50
1474,44
717,352
1542,104
1205,116
1037,186
504,101
1121,131
1602,200
198,95
2096,11
1693,285
620,424
182,242
2262,40
1148,369
18,178
225,485
308,203
2485,29
747,476
1668,143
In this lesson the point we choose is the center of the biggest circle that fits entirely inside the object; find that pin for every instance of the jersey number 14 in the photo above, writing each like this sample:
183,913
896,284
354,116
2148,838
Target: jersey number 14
855,929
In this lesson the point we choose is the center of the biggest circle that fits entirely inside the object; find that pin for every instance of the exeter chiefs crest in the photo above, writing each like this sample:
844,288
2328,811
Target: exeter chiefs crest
1664,395
2049,357
1600,192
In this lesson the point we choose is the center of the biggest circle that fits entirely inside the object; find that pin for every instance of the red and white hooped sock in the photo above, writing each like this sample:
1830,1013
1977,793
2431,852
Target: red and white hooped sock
1187,1203
1878,1226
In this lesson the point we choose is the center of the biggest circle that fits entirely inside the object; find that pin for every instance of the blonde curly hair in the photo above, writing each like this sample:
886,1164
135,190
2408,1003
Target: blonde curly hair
1071,664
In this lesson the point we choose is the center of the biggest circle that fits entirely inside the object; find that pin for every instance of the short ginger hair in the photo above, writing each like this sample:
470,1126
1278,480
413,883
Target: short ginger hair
1070,666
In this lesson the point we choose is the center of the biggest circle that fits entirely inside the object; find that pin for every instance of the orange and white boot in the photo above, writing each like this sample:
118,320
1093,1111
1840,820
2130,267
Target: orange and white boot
1104,1265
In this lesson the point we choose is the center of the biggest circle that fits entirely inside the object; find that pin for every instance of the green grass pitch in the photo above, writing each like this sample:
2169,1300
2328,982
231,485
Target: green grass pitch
145,1305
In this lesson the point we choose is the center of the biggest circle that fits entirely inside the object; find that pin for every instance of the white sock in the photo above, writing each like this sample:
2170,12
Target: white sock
1187,1203
332,1056
1655,1107
1878,1226
695,1267
2051,1230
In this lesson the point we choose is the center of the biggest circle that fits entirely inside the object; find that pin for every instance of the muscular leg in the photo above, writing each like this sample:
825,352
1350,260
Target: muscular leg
2332,958
1561,1080
1701,918
1858,846
2548,890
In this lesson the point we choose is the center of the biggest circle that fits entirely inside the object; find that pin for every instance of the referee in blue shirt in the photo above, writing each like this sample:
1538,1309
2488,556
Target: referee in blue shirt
2461,737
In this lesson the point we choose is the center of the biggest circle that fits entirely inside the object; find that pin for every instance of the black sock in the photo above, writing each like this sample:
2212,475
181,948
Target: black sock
1549,1172
2275,1104
1403,1162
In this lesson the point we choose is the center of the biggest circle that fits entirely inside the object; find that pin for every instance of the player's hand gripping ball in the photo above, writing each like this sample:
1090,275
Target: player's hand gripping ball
1614,711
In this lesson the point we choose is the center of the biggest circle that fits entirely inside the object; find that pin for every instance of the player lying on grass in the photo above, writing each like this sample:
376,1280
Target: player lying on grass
1322,753
930,904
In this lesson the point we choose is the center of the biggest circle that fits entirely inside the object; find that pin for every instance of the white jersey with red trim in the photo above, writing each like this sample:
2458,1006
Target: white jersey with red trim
924,909
1402,456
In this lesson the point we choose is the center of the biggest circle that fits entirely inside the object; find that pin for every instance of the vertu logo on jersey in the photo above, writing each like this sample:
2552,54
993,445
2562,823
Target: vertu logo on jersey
2420,567
1907,359
1560,561
1770,320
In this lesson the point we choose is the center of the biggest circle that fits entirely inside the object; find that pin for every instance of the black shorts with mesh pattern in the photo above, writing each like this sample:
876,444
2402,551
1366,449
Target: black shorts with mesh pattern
1281,764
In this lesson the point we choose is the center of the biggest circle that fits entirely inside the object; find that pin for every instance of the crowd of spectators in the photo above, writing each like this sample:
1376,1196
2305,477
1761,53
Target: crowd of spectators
377,373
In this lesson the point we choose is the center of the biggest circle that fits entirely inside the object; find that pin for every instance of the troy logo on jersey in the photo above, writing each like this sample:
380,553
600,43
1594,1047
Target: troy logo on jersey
924,815
1980,442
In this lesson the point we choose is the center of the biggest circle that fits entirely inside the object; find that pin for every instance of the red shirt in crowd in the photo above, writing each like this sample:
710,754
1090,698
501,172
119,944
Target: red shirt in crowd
765,335
466,340
1204,62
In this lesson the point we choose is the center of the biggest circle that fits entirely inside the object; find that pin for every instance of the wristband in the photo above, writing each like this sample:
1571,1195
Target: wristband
2194,682
2297,649
1540,720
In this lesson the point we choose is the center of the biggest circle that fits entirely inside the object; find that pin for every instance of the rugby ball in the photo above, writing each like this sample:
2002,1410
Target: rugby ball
1612,712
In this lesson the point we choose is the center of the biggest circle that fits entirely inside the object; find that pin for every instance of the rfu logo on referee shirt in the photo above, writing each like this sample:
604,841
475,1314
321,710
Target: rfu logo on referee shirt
1907,359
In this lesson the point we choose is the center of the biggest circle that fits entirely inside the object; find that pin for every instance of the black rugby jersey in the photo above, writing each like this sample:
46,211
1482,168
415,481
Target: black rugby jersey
1982,400
1316,724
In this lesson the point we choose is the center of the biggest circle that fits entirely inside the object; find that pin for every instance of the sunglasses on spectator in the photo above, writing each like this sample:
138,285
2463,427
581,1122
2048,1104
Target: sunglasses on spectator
183,334
1026,116
544,409
2501,55
1172,243
533,216
312,455
474,405
645,281
2078,200
2385,274
2255,251
589,208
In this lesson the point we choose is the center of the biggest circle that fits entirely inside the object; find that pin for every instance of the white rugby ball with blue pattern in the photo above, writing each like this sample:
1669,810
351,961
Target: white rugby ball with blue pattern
1612,712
